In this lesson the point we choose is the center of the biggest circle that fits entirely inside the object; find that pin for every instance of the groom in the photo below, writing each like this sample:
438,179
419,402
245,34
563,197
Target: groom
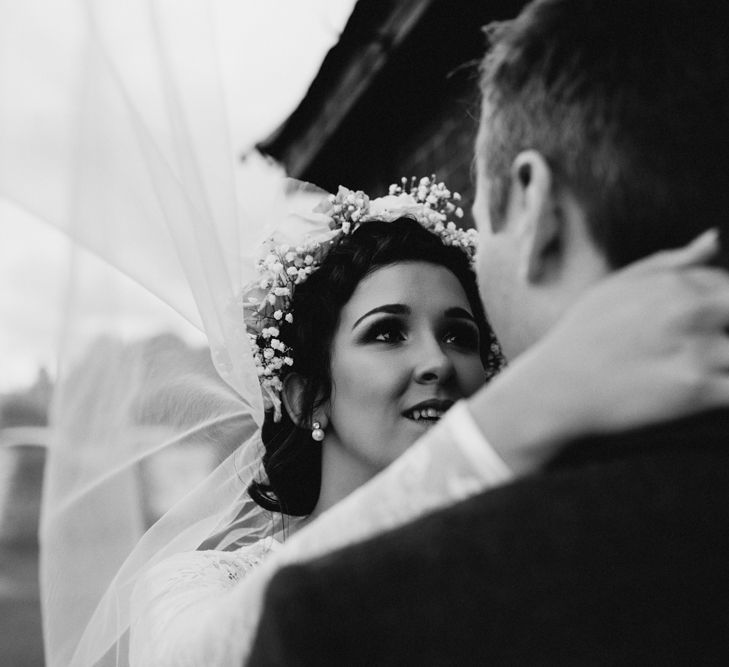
604,137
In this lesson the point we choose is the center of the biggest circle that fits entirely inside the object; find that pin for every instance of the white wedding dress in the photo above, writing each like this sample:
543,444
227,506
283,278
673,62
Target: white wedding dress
200,608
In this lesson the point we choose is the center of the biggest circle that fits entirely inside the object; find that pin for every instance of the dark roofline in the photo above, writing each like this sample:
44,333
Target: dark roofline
373,32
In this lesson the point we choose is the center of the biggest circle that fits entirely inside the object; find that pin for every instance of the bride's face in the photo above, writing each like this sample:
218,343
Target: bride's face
407,348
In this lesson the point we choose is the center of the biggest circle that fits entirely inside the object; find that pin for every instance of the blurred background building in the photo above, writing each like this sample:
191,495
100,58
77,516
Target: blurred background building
396,96
23,437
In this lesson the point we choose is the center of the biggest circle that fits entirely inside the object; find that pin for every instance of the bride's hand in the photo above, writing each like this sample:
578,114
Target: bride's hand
647,344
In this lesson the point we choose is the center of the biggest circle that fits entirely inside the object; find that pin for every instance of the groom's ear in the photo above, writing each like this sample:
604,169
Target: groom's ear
541,225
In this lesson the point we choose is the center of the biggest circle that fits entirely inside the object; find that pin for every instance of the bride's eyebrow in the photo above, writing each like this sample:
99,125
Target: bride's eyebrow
461,313
390,308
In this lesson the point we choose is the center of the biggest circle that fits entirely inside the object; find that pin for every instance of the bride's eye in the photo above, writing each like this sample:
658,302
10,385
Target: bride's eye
464,336
386,331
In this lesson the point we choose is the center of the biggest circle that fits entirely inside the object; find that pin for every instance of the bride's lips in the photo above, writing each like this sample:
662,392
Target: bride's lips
428,412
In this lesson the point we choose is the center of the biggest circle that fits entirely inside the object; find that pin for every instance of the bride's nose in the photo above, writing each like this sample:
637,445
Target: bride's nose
433,365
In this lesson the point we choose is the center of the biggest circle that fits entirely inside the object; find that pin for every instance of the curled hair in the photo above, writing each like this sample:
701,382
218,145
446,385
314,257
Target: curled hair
292,460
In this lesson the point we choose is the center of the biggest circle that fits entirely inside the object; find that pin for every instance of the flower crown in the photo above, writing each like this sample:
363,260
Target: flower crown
268,302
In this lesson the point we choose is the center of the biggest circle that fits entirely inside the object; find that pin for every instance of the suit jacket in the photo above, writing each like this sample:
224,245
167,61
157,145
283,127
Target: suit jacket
617,553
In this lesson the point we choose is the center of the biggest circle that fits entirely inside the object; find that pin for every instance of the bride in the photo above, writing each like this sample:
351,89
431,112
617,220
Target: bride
142,173
382,337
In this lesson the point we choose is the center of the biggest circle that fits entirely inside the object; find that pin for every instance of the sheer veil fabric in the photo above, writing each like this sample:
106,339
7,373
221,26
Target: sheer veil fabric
140,170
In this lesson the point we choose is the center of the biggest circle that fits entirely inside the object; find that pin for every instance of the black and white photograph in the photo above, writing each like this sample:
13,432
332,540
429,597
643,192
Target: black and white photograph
364,333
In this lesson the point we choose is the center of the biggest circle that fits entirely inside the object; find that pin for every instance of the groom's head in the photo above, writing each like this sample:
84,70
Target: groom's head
604,137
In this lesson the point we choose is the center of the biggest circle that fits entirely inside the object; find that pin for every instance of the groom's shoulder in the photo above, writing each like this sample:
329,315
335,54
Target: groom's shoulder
608,477
654,477
615,537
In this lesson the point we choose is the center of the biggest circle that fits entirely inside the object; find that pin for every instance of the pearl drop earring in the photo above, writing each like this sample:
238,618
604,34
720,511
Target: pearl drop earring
317,433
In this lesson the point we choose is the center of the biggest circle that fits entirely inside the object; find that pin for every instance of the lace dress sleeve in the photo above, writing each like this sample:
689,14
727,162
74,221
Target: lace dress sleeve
174,605
451,462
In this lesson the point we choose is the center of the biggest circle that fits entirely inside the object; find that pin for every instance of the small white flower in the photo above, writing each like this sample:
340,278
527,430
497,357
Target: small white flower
268,353
289,318
277,315
271,298
292,271
459,212
308,260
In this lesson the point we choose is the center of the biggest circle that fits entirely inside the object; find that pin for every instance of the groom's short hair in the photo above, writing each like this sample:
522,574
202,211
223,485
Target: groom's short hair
628,101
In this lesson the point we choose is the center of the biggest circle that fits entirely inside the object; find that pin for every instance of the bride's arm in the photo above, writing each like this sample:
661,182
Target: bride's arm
647,344
201,608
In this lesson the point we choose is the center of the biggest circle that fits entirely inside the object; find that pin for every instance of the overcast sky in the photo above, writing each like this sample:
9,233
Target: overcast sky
286,40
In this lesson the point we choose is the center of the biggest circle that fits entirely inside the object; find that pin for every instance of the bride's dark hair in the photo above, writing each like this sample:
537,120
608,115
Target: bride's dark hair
292,460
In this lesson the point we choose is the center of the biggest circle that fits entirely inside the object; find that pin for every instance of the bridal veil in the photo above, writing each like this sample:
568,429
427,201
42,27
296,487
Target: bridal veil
140,171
